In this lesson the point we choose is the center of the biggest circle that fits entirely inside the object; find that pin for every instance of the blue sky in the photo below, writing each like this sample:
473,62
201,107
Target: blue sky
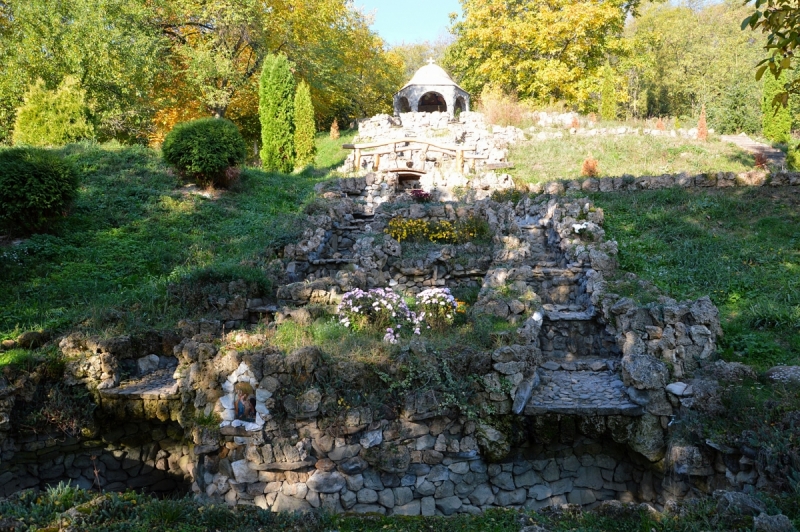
410,21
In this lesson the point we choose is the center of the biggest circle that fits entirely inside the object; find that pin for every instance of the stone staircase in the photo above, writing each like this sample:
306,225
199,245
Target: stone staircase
580,374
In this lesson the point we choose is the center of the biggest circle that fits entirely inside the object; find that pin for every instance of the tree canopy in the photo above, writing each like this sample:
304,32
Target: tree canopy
541,49
148,64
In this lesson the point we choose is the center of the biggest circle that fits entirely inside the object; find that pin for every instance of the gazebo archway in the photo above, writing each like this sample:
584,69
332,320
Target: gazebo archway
430,102
403,105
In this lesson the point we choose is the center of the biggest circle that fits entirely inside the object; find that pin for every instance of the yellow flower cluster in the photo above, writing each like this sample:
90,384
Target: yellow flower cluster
444,232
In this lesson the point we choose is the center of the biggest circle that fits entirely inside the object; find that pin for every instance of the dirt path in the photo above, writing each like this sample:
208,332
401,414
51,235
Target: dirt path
774,156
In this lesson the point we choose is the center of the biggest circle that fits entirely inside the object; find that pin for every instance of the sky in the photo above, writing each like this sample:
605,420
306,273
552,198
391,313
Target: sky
399,21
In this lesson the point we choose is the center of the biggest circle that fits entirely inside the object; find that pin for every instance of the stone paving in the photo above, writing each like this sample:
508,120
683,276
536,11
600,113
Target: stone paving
774,156
157,385
580,392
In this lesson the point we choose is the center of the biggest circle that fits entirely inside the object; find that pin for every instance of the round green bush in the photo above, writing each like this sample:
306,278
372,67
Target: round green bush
36,186
206,150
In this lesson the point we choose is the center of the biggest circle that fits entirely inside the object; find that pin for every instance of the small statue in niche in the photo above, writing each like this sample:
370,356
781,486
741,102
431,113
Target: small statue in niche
245,402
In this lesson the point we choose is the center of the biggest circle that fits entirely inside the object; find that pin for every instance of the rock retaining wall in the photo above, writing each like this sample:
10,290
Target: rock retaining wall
146,456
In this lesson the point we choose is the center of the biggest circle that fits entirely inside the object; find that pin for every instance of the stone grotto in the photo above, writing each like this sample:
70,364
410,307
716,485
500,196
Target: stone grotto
582,385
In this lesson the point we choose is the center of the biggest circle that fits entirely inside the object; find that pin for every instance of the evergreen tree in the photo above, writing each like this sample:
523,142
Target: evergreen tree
304,126
776,121
276,111
608,95
53,118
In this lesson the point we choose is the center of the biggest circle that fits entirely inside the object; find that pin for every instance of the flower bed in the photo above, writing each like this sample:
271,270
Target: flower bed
381,308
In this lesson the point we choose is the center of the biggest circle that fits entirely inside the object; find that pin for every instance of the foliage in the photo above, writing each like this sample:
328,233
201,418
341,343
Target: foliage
36,187
632,155
114,47
132,232
679,56
608,94
377,309
205,149
418,230
53,118
436,307
420,196
415,54
137,512
777,119
702,128
304,128
543,51
736,109
62,408
738,246
766,418
276,111
780,21
500,108
589,167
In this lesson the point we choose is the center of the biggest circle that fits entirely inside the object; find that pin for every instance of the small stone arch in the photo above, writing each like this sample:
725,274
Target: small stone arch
403,105
432,101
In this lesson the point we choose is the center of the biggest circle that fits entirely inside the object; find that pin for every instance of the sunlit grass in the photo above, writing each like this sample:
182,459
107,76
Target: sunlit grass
741,247
636,155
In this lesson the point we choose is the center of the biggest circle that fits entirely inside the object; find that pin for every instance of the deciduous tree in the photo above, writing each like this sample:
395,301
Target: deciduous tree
541,50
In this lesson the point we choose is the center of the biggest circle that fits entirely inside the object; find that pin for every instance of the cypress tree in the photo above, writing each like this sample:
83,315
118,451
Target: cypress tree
276,111
608,95
304,127
776,121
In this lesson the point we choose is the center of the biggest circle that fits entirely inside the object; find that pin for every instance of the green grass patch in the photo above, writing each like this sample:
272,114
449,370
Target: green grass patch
133,512
134,229
541,161
739,246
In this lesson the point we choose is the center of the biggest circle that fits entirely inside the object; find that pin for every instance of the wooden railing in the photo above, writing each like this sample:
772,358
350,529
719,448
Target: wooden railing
460,153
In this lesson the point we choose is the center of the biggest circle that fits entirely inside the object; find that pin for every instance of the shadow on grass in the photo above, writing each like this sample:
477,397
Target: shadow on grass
132,231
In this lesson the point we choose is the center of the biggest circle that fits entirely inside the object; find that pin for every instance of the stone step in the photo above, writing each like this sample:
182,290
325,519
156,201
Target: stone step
584,393
568,313
157,385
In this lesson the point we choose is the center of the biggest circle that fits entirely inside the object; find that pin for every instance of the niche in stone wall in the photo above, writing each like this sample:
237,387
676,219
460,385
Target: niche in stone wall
243,403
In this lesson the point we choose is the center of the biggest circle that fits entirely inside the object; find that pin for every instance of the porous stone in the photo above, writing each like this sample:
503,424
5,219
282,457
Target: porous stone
326,482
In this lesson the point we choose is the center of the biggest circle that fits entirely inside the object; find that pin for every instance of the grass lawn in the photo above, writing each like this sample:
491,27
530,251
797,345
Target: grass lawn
134,228
132,512
540,161
739,246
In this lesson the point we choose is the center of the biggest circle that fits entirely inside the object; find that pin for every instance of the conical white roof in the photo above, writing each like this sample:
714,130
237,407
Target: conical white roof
431,74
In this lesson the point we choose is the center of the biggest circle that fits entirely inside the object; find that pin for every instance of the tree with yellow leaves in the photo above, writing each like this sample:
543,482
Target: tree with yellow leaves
542,50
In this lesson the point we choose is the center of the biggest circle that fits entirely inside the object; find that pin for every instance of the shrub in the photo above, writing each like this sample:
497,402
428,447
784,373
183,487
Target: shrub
276,111
420,196
205,150
335,129
776,119
376,309
53,118
500,108
304,128
436,307
36,186
444,232
702,128
608,95
589,167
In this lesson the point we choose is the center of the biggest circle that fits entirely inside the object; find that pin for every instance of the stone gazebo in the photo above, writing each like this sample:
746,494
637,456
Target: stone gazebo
430,90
